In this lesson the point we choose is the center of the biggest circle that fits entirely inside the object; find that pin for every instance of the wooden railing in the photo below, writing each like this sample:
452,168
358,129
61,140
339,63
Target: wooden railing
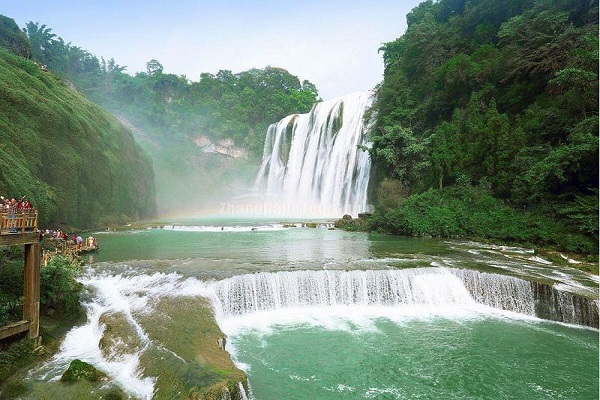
21,221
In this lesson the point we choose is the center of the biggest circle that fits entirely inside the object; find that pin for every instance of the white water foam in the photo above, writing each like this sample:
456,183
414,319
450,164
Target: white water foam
127,296
336,300
352,300
224,228
487,246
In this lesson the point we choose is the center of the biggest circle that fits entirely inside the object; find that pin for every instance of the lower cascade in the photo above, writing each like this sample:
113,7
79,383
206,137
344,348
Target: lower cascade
318,159
431,286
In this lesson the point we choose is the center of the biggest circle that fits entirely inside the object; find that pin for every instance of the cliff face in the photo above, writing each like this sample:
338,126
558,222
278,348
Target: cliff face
75,162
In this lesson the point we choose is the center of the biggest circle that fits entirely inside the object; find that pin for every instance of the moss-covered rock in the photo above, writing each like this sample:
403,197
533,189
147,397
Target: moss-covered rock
80,370
194,365
226,390
119,336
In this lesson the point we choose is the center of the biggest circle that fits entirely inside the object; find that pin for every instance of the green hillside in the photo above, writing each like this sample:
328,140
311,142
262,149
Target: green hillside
75,162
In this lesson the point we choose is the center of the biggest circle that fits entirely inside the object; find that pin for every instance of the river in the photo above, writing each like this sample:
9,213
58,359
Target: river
317,313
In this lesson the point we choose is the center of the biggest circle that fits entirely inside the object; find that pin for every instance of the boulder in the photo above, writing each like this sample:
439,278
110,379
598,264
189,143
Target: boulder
80,370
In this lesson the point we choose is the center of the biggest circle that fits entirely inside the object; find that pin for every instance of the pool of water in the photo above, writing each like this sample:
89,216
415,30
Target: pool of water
459,350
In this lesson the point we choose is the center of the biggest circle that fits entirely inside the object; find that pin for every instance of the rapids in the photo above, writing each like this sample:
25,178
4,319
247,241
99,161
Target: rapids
328,314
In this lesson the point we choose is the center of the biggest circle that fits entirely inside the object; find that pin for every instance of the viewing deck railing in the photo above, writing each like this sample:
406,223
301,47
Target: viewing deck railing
21,221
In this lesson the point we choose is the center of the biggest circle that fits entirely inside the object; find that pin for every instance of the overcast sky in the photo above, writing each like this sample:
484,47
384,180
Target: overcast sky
331,43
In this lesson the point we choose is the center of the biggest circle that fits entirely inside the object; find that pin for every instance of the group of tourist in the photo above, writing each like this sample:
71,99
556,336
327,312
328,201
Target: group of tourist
76,241
10,206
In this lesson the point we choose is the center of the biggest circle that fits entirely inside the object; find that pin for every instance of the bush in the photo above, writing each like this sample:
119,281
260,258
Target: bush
59,289
469,211
11,285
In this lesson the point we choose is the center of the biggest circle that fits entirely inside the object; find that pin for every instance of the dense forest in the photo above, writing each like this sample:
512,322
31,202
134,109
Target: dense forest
486,123
75,162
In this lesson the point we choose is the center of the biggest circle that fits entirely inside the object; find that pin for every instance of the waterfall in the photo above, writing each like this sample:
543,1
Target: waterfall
271,291
498,291
315,160
432,286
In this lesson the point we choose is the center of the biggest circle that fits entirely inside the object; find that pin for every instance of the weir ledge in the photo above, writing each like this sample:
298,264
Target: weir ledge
560,306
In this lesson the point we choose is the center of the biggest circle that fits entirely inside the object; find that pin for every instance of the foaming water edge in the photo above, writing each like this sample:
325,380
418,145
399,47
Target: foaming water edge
350,301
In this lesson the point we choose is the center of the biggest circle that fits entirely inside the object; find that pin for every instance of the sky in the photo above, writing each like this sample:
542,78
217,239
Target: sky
332,43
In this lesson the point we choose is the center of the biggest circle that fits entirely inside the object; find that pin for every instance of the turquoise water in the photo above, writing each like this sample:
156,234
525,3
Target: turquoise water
457,351
438,358
189,249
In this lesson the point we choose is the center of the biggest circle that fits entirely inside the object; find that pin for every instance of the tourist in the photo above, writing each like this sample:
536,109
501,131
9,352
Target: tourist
90,242
12,211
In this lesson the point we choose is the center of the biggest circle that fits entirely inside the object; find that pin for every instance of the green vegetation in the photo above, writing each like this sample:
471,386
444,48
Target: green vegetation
170,107
60,308
75,162
12,38
59,291
486,123
174,117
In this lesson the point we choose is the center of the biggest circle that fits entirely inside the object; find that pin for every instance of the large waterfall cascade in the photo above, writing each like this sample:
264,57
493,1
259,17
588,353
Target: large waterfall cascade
431,287
316,161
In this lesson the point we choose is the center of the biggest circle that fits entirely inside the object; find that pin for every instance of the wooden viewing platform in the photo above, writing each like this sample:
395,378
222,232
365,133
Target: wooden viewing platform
21,228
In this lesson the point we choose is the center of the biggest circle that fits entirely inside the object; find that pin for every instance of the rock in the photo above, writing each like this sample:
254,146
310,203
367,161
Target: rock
113,395
119,337
347,217
79,370
364,215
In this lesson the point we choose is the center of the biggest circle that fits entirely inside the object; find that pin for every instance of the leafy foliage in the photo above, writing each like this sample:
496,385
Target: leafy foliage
238,106
58,288
502,95
469,211
77,164
59,291
12,38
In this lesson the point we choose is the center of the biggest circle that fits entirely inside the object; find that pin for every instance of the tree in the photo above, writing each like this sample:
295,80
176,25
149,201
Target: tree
537,43
42,42
153,67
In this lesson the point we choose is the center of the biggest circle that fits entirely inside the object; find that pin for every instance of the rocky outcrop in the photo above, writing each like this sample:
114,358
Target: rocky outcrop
195,365
226,147
119,336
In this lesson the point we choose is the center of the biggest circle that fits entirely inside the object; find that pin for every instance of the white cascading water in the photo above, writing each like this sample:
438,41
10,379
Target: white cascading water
498,291
315,160
425,290
432,287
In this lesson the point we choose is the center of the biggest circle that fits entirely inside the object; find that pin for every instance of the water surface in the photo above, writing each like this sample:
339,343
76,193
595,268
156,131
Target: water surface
432,350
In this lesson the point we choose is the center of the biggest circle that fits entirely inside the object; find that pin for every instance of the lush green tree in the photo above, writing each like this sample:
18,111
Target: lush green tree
499,94
12,38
